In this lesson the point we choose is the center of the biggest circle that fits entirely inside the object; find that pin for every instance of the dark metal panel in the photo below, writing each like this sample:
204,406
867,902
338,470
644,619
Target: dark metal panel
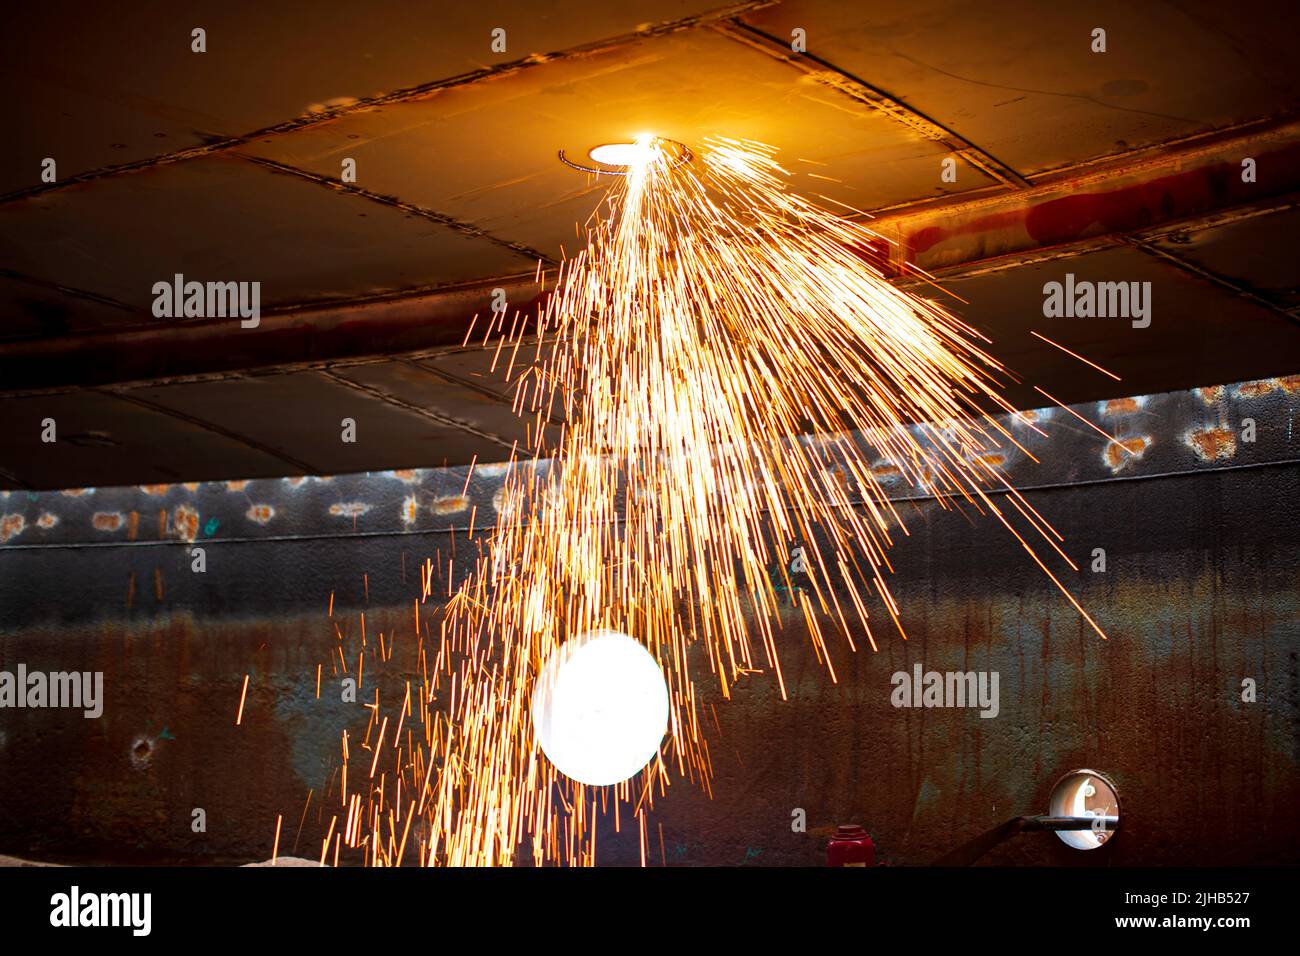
1254,252
222,219
1200,591
106,440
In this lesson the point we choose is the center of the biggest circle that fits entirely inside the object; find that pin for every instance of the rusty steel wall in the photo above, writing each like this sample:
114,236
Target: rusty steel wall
1200,591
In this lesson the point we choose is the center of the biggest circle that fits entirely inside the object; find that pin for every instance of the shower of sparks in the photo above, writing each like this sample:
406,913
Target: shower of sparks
712,318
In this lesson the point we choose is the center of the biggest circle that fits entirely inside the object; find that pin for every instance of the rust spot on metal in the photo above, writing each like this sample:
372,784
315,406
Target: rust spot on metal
1135,446
236,485
186,523
296,482
450,505
1211,395
156,490
408,475
1120,406
1212,444
133,525
260,513
410,509
158,591
47,520
76,492
191,486
107,520
141,752
1258,389
349,509
11,526
1289,384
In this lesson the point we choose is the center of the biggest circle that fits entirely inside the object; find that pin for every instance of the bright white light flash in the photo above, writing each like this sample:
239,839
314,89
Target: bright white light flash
600,708
632,155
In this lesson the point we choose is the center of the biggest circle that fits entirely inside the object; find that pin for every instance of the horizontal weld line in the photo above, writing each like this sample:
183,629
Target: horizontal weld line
396,402
488,529
1178,262
459,225
67,290
245,441
882,102
386,99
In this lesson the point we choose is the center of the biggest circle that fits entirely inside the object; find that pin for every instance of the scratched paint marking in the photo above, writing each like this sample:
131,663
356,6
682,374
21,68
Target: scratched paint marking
107,520
260,514
349,509
1135,446
11,526
1215,443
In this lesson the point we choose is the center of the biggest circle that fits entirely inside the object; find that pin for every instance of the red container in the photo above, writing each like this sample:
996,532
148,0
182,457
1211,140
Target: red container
850,846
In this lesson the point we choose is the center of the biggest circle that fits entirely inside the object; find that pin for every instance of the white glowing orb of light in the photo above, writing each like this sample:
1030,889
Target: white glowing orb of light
632,155
600,708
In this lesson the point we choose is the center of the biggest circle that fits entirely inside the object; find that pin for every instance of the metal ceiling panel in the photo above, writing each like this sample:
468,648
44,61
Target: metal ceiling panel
1028,88
486,153
102,440
1195,326
300,416
222,219
264,64
1256,253
38,310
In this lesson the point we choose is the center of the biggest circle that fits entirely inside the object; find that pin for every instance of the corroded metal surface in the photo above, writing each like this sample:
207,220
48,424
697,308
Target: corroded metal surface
1169,433
1199,592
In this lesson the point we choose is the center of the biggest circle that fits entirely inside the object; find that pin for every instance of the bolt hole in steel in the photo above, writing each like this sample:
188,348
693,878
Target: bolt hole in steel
618,159
1086,793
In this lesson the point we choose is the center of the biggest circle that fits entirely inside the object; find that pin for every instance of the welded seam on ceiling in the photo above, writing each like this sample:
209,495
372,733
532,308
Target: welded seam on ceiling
67,290
403,95
437,417
863,92
1200,272
418,357
238,438
442,219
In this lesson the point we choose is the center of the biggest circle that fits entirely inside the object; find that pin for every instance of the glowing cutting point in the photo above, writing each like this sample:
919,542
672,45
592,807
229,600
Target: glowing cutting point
600,708
634,155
